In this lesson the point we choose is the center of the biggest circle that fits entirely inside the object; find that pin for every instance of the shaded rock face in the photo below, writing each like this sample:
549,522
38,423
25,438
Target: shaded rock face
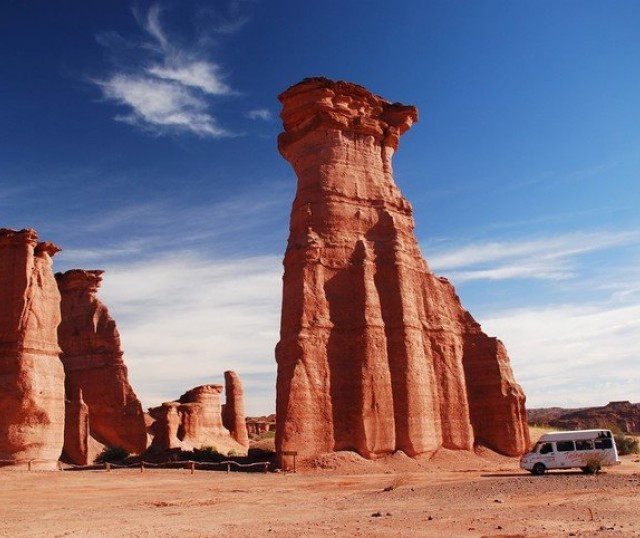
233,417
76,431
93,362
192,422
376,353
31,374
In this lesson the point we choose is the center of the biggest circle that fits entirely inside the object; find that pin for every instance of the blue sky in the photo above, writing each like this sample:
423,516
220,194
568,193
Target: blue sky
141,138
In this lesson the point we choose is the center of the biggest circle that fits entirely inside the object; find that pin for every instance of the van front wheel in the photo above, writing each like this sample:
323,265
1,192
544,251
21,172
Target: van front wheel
538,469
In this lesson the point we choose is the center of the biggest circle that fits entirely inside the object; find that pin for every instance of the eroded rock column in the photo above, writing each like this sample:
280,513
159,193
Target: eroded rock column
93,361
31,373
194,421
376,353
233,416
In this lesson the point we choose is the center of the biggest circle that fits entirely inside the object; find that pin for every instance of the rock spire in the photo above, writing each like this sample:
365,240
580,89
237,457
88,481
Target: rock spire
93,362
376,353
31,375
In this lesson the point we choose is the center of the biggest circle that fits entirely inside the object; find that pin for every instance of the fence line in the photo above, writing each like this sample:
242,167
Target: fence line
107,466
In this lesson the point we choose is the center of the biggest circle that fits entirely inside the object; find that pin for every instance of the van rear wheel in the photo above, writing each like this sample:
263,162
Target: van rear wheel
538,469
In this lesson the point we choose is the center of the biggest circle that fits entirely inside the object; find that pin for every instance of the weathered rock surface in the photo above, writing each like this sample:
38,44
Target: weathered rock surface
233,417
376,353
192,422
257,426
93,362
31,374
76,431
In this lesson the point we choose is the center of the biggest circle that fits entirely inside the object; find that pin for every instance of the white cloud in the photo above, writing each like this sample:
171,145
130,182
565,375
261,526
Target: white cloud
158,104
185,318
197,74
572,355
259,114
165,87
548,258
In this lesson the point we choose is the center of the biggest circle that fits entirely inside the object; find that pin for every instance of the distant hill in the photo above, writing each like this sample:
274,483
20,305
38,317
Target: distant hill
623,416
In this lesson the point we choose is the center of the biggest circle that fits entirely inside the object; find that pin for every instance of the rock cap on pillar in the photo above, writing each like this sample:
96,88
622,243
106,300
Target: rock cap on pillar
317,102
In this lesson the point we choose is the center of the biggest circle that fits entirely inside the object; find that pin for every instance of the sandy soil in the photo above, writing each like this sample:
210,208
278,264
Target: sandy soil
452,494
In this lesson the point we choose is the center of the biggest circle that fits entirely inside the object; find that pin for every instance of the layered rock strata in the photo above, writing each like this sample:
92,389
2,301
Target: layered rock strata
194,421
93,361
376,353
233,416
31,374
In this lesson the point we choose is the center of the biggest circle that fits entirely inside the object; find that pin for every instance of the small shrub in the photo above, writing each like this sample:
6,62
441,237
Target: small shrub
593,464
626,444
398,480
233,453
112,454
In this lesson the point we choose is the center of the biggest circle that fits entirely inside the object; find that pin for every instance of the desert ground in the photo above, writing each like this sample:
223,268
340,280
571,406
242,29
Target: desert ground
451,494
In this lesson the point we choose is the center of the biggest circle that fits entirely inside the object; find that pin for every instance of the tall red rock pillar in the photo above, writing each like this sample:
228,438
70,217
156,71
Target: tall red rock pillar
233,417
31,374
376,353
93,361
353,366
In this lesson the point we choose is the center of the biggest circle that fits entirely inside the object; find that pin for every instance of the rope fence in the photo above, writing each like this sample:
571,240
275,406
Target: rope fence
142,465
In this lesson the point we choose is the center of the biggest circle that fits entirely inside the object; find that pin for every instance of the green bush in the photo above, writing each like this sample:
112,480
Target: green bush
112,454
626,444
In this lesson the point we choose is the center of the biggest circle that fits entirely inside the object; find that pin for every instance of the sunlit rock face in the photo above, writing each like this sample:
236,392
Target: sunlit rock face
31,373
233,416
93,362
376,353
194,421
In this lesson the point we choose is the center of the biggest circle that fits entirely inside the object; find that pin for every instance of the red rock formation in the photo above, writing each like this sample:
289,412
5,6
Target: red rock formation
260,425
76,431
31,374
192,422
93,362
376,353
233,417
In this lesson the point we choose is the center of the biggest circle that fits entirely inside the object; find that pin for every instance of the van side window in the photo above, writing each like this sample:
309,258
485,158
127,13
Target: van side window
565,446
603,443
546,448
584,445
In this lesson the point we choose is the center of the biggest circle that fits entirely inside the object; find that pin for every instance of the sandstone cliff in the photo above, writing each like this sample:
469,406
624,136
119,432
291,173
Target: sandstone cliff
194,421
93,362
376,353
31,374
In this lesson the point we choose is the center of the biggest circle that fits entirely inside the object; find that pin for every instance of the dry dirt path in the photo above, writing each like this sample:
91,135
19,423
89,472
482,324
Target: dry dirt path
491,499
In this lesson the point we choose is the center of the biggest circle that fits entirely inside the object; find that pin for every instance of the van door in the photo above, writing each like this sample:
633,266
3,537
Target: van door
565,454
547,455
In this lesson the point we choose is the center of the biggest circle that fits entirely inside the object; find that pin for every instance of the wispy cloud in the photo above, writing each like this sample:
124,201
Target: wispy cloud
164,87
186,317
260,114
572,355
548,258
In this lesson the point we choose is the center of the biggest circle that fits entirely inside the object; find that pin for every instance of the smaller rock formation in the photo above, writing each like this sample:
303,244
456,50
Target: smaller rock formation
256,426
93,362
32,405
194,421
76,431
233,417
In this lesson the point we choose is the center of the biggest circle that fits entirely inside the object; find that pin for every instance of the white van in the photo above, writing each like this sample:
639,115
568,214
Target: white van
587,449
